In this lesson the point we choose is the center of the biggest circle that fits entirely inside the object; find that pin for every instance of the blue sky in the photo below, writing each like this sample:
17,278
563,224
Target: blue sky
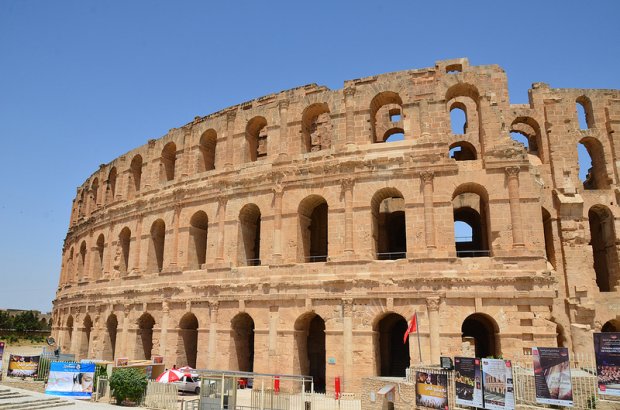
82,82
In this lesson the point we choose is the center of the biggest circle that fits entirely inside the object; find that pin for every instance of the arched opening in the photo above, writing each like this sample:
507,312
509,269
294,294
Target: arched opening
188,340
109,344
316,127
249,233
560,336
82,261
124,240
313,229
70,272
388,224
394,135
69,335
197,250
458,118
208,142
526,131
603,242
612,326
521,139
463,151
85,337
386,116
135,176
548,233
94,192
242,338
393,354
592,169
310,340
144,337
481,330
155,261
470,208
112,184
585,113
256,138
82,204
99,259
168,160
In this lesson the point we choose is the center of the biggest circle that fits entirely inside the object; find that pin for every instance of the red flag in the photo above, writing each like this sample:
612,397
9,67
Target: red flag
413,327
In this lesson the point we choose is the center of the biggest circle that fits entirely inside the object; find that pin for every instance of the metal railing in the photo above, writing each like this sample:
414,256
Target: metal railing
472,253
316,258
391,256
253,262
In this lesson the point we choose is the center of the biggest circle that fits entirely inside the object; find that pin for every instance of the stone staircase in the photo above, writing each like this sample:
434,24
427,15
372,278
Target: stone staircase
12,399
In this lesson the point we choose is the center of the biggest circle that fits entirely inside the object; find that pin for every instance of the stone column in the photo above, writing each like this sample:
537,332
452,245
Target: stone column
425,125
163,335
221,220
274,318
347,188
76,336
135,269
278,192
125,341
108,251
279,146
512,174
429,218
175,239
349,105
211,362
230,133
432,305
347,339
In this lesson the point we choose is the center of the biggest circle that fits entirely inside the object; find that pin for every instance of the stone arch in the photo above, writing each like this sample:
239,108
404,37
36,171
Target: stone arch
82,204
548,235
112,176
482,331
144,336
560,335
242,343
98,264
188,340
155,260
603,243
135,176
529,128
70,276
256,139
391,354
386,115
467,95
249,235
109,343
389,230
596,177
313,229
311,349
87,327
206,146
82,261
94,194
168,162
124,243
611,326
68,334
197,249
316,128
583,107
463,151
470,207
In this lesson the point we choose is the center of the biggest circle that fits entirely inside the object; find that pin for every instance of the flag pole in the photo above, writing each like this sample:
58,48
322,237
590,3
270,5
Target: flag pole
417,331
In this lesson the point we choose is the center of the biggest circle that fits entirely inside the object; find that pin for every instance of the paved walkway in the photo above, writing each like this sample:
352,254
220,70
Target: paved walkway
31,400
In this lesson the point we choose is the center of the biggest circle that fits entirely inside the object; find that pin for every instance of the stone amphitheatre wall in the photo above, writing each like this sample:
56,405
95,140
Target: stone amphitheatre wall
297,233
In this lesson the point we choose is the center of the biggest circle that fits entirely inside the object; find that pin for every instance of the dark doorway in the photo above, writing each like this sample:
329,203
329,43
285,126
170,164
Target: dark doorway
188,340
242,343
316,352
144,335
394,354
482,330
109,347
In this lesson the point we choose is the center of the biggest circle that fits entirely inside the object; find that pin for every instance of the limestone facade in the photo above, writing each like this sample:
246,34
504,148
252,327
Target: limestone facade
290,234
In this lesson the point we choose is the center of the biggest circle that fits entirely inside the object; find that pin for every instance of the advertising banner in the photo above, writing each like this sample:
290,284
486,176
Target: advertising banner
20,366
468,381
552,376
1,354
71,380
497,384
607,353
431,390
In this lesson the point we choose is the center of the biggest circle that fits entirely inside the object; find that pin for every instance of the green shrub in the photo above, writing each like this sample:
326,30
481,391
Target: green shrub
128,384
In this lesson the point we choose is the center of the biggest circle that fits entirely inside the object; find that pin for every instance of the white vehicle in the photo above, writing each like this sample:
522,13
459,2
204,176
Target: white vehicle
189,383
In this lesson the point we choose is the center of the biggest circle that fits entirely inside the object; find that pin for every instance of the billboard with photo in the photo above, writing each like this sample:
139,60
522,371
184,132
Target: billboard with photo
431,390
70,379
23,366
1,354
607,353
497,384
552,376
468,381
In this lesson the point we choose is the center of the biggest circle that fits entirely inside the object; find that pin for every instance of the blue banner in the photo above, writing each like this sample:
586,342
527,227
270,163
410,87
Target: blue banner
71,379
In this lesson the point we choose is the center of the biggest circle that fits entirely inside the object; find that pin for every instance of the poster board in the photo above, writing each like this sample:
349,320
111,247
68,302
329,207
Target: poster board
497,384
468,381
607,354
431,390
71,379
552,380
23,366
2,345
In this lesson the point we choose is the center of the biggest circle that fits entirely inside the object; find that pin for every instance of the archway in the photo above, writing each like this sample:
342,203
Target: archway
188,340
144,337
603,243
612,326
393,354
310,341
85,337
197,250
109,345
242,343
388,224
482,329
68,334
313,229
249,234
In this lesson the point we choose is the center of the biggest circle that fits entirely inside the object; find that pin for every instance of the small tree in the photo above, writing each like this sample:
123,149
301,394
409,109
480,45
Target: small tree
128,384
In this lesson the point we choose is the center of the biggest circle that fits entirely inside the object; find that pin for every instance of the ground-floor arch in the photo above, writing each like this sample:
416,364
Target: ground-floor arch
188,341
310,343
144,337
482,331
242,343
392,352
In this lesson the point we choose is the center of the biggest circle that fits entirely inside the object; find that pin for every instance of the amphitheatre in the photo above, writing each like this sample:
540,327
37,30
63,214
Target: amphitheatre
297,233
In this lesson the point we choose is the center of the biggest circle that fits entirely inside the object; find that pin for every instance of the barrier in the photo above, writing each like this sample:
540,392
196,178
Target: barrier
161,396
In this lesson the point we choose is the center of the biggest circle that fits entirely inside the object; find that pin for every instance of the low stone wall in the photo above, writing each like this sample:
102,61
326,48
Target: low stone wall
403,394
